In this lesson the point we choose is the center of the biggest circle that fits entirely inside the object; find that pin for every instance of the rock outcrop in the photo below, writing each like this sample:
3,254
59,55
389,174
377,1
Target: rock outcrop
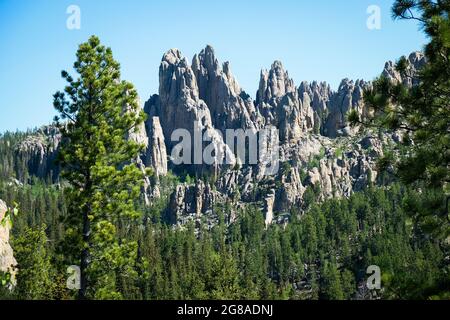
277,101
38,151
317,149
179,106
415,62
221,92
192,203
308,108
156,153
274,84
138,134
7,261
268,208
348,97
309,118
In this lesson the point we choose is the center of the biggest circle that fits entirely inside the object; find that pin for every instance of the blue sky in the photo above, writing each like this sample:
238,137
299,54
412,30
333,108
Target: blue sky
324,40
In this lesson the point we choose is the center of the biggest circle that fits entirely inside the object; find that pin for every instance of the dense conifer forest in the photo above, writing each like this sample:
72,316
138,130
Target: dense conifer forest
321,254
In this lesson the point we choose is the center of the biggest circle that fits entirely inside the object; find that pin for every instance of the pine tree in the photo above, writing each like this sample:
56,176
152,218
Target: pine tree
422,111
331,282
99,112
35,279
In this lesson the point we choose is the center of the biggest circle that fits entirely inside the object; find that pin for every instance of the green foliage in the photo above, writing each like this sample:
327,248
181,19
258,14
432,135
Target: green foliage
286,168
331,278
339,152
6,222
324,252
189,180
97,160
245,261
36,279
420,111
314,162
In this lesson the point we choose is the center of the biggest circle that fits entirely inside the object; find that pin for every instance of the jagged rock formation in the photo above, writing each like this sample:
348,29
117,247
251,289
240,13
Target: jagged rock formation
38,152
156,153
7,261
317,148
179,106
220,91
274,84
279,104
191,203
348,97
296,111
309,118
139,134
416,61
268,208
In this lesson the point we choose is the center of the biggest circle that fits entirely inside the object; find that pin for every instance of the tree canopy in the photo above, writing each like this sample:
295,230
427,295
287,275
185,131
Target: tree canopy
97,159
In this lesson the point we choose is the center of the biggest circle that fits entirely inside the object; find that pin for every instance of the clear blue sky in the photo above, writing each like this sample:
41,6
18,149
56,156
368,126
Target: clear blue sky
324,40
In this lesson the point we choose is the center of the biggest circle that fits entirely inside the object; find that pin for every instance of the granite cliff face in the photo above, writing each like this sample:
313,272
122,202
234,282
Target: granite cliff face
7,261
317,150
416,60
156,153
279,104
180,106
39,152
218,88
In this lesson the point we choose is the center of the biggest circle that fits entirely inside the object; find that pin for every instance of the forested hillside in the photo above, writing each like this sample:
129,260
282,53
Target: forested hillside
321,254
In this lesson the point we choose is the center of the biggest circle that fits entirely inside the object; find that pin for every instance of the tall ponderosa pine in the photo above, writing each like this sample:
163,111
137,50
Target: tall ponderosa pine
100,111
421,111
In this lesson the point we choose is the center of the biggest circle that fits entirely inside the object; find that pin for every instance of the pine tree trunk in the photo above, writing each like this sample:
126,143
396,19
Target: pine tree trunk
85,254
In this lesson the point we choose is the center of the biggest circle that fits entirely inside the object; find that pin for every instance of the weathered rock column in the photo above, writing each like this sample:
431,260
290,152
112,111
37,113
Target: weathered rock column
7,261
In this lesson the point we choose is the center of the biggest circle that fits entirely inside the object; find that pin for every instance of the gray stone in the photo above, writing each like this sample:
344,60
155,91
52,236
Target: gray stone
7,261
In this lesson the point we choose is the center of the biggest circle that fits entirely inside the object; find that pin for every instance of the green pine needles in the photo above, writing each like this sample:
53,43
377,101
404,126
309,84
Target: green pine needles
421,111
100,111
